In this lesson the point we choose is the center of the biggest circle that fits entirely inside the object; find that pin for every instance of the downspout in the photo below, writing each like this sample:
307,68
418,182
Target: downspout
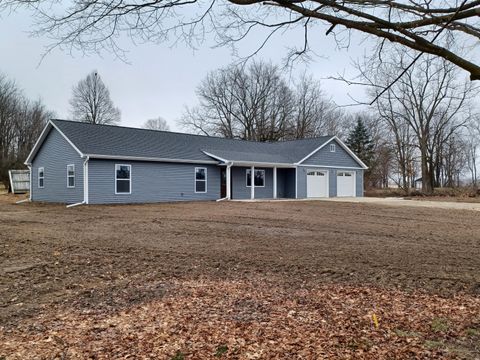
85,184
85,180
31,186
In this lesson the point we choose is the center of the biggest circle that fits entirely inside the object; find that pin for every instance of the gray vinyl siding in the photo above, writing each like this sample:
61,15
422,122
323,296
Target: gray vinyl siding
54,156
151,182
239,184
338,158
332,180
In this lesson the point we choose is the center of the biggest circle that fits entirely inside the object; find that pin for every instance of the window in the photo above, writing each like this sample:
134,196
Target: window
123,177
332,147
200,180
41,177
71,176
259,178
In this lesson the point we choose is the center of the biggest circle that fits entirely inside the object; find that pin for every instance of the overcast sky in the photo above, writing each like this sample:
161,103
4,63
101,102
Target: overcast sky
159,80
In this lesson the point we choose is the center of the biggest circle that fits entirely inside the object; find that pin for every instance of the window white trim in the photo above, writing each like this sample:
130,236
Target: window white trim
41,170
332,148
129,180
253,179
71,176
195,180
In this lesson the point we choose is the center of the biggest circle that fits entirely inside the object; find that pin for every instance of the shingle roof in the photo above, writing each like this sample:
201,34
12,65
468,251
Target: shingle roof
106,140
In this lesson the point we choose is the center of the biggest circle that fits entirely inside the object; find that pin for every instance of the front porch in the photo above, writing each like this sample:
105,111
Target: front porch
269,182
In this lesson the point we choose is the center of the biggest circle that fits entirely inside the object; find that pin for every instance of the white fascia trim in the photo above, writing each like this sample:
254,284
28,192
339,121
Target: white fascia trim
215,157
331,167
139,158
344,147
42,137
260,164
247,163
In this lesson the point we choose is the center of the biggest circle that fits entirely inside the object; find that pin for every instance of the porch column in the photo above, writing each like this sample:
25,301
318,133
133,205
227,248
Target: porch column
252,182
229,182
274,182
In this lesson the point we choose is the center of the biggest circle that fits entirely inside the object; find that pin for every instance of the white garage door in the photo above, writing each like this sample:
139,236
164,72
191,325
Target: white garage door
317,183
345,183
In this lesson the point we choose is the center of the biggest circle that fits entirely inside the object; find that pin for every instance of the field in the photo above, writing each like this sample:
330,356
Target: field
296,280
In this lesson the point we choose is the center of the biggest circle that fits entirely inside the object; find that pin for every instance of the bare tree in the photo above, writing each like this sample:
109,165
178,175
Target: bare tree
419,25
314,113
256,103
91,102
156,124
429,99
472,148
253,104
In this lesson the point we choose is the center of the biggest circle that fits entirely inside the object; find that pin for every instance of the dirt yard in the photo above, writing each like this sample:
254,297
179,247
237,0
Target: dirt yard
296,280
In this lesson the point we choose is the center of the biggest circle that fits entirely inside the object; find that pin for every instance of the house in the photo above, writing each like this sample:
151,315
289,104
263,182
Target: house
74,162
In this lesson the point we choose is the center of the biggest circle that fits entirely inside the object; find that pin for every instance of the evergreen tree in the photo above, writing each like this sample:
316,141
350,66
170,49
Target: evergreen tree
361,143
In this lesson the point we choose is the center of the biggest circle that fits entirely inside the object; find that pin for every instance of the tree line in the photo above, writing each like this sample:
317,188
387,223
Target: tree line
21,122
423,128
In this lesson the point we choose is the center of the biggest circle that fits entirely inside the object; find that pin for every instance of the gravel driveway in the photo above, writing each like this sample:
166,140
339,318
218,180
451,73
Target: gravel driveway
406,202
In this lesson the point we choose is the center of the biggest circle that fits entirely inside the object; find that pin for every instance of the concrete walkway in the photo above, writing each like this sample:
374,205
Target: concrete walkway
412,203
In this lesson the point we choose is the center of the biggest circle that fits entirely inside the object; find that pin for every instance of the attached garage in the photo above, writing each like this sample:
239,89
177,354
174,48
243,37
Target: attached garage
346,183
317,183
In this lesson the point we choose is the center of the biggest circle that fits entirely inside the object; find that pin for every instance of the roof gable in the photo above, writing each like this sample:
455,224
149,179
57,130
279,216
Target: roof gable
38,144
336,140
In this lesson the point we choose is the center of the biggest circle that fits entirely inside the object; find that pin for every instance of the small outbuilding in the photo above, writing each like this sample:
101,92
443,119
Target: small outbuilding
74,162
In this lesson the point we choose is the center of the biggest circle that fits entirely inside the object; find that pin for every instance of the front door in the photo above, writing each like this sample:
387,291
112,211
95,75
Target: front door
223,183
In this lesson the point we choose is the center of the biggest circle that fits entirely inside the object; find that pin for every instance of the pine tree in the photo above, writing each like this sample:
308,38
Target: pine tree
361,143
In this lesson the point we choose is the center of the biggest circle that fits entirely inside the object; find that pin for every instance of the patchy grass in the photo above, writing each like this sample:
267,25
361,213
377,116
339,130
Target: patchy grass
221,350
472,332
434,344
178,356
439,325
407,333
